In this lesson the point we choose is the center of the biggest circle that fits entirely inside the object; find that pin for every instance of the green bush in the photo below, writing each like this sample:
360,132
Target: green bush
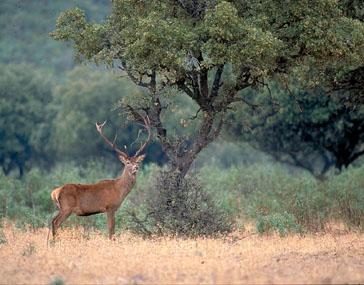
272,197
12,197
3,238
347,192
252,192
283,223
311,210
57,281
181,208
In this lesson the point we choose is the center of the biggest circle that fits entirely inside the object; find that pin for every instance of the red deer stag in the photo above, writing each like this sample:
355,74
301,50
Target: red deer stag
104,196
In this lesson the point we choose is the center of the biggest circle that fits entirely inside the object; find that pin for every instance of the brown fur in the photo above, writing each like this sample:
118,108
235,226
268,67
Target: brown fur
103,197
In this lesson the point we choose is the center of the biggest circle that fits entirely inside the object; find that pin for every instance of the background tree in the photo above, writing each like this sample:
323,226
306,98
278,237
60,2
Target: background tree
24,95
89,96
189,47
25,27
313,132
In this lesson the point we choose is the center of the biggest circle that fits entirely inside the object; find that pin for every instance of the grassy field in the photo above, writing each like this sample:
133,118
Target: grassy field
87,258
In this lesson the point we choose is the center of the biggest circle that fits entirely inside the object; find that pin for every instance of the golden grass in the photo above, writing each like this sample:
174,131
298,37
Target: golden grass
239,258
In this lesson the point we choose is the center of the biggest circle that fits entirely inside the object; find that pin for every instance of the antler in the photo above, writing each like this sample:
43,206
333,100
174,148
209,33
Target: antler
147,126
112,145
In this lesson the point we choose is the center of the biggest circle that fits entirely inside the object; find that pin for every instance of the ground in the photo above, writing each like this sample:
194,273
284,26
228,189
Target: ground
91,258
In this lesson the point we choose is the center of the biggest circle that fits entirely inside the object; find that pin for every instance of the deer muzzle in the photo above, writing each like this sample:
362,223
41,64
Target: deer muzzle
135,169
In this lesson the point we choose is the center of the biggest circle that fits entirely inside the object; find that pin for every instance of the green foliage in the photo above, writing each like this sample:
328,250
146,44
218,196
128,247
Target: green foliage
271,196
23,93
89,97
348,192
20,225
57,281
11,194
32,221
310,131
284,223
3,238
180,207
315,28
311,210
267,193
266,34
38,124
225,154
25,27
191,46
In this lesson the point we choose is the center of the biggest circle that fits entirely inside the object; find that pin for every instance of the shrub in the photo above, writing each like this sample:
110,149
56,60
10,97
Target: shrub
270,196
12,202
179,207
29,249
57,281
271,191
347,191
283,223
3,238
312,211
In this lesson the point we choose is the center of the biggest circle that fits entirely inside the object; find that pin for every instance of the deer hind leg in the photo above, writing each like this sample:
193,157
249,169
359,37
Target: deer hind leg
111,222
59,219
54,229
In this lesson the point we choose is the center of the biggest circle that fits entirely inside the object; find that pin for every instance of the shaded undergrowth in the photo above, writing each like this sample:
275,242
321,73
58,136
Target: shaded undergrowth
212,203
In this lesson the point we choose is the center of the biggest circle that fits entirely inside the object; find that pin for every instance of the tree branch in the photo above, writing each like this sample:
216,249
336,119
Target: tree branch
195,116
294,97
181,85
195,85
218,129
204,82
216,84
242,80
356,155
252,105
136,81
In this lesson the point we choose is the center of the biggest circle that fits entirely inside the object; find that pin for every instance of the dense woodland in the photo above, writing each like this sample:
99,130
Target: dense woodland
263,107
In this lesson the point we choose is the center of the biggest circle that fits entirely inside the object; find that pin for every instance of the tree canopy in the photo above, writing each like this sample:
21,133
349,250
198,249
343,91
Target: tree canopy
25,27
313,131
22,111
211,50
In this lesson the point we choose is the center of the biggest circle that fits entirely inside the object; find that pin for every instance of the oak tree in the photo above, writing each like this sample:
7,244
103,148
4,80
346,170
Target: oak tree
314,132
211,50
24,112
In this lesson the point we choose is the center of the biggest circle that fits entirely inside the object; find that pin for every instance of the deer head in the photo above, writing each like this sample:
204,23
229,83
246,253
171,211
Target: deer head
130,162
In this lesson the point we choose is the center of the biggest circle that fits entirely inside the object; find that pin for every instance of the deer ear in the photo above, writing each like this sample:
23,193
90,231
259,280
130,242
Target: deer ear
140,158
123,159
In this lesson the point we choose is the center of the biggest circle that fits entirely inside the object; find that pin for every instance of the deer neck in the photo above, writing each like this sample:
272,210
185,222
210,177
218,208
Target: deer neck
125,182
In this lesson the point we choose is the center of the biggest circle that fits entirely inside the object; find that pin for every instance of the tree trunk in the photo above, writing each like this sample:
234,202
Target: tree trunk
181,156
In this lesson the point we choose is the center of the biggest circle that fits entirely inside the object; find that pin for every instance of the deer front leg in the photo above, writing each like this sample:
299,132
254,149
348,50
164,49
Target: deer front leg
111,222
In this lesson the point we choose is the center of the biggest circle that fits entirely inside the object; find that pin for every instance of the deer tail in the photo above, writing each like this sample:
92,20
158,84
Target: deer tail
55,196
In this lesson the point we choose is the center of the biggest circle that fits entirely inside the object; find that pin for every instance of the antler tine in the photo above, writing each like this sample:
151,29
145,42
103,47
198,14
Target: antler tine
147,126
111,144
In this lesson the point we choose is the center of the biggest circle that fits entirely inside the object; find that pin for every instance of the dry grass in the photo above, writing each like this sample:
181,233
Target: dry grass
240,258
